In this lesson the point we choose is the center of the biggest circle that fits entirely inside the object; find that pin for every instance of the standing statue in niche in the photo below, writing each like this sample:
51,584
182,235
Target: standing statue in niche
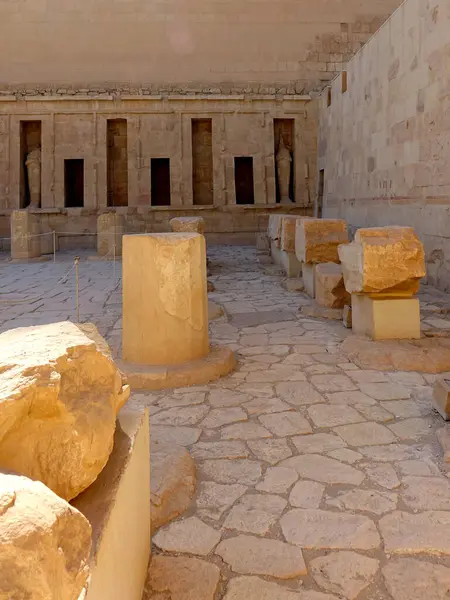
284,164
33,164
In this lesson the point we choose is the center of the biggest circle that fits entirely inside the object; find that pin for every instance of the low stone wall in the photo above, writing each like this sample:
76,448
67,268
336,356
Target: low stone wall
223,225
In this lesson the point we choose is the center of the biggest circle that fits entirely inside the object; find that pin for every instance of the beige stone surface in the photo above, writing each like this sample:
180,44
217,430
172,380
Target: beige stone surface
44,542
441,398
215,498
306,494
412,579
255,513
247,472
254,588
308,275
215,311
286,423
271,451
426,493
383,259
59,400
173,482
426,532
250,555
181,578
317,240
344,573
324,469
365,434
110,229
187,536
187,225
320,529
382,474
170,269
286,261
371,501
25,235
277,480
324,415
386,318
329,286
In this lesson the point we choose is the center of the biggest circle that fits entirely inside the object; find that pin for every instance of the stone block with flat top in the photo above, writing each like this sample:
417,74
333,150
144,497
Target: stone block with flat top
385,318
110,228
308,279
329,286
317,240
383,259
441,397
25,235
187,225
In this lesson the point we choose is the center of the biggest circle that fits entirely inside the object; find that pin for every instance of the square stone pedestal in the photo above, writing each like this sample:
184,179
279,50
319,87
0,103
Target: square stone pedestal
117,505
286,260
110,228
25,235
441,398
308,273
385,318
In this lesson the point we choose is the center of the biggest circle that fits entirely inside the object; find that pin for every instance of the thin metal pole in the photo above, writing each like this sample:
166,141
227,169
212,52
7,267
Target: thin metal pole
54,246
114,263
77,287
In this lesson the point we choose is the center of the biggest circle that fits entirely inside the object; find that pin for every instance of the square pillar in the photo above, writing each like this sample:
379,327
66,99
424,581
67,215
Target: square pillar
25,238
386,318
110,228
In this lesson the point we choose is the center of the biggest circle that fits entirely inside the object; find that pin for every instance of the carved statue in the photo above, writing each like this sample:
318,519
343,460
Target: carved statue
33,164
284,162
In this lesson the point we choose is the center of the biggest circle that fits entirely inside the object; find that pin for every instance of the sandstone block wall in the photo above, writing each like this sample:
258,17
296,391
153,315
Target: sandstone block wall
384,143
198,45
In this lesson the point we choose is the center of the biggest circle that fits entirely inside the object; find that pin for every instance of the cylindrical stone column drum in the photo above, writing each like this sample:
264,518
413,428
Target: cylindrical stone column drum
165,304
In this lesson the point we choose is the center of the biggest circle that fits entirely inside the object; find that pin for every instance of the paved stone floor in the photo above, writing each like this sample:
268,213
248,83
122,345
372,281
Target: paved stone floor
317,480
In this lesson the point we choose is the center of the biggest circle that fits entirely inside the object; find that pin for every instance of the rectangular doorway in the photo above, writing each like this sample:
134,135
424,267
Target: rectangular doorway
30,139
74,182
283,133
160,181
202,161
117,161
243,180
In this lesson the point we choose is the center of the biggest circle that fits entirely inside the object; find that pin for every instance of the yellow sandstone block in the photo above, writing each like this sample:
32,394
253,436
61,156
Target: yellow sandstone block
386,318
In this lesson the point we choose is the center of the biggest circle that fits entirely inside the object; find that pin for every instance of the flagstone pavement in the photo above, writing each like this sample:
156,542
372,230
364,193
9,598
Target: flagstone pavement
317,480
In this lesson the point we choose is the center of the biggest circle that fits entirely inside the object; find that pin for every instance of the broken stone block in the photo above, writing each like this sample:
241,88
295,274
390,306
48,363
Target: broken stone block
329,286
308,278
441,397
44,542
262,241
347,316
187,224
25,238
317,240
383,259
110,227
287,261
60,397
287,242
386,318
274,229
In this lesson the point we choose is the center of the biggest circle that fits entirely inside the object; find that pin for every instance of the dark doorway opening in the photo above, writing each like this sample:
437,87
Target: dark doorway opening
202,162
117,160
30,139
160,181
243,180
74,182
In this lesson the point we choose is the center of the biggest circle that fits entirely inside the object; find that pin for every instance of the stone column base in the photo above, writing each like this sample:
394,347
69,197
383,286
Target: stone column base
286,260
386,318
219,362
308,273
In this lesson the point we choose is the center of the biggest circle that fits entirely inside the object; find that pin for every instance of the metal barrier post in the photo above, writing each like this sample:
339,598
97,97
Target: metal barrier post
77,287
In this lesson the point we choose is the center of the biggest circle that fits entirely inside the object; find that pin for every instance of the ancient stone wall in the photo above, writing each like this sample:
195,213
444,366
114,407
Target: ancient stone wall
384,142
205,46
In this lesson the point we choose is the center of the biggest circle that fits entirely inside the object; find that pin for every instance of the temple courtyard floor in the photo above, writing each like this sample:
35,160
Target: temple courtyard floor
316,479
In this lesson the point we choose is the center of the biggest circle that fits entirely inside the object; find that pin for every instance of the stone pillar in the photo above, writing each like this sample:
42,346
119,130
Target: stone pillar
25,239
165,305
109,234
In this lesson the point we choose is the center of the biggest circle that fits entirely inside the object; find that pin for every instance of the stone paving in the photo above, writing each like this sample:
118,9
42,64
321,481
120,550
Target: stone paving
317,480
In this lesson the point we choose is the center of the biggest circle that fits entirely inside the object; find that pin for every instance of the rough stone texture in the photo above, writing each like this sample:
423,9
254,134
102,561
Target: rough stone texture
383,259
255,513
427,532
277,480
344,573
324,415
44,542
365,434
370,501
59,400
287,241
286,423
172,482
249,555
317,240
306,494
25,235
441,398
316,529
425,355
246,472
215,498
110,229
187,224
382,318
323,469
181,579
271,451
188,535
412,579
383,475
329,286
254,588
426,493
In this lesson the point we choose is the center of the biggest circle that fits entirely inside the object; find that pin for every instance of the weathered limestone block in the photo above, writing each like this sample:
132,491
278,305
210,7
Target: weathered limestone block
287,261
317,240
25,238
59,397
329,286
44,543
110,228
165,303
187,225
383,259
308,278
386,318
441,398
262,242
117,507
274,228
347,316
288,223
